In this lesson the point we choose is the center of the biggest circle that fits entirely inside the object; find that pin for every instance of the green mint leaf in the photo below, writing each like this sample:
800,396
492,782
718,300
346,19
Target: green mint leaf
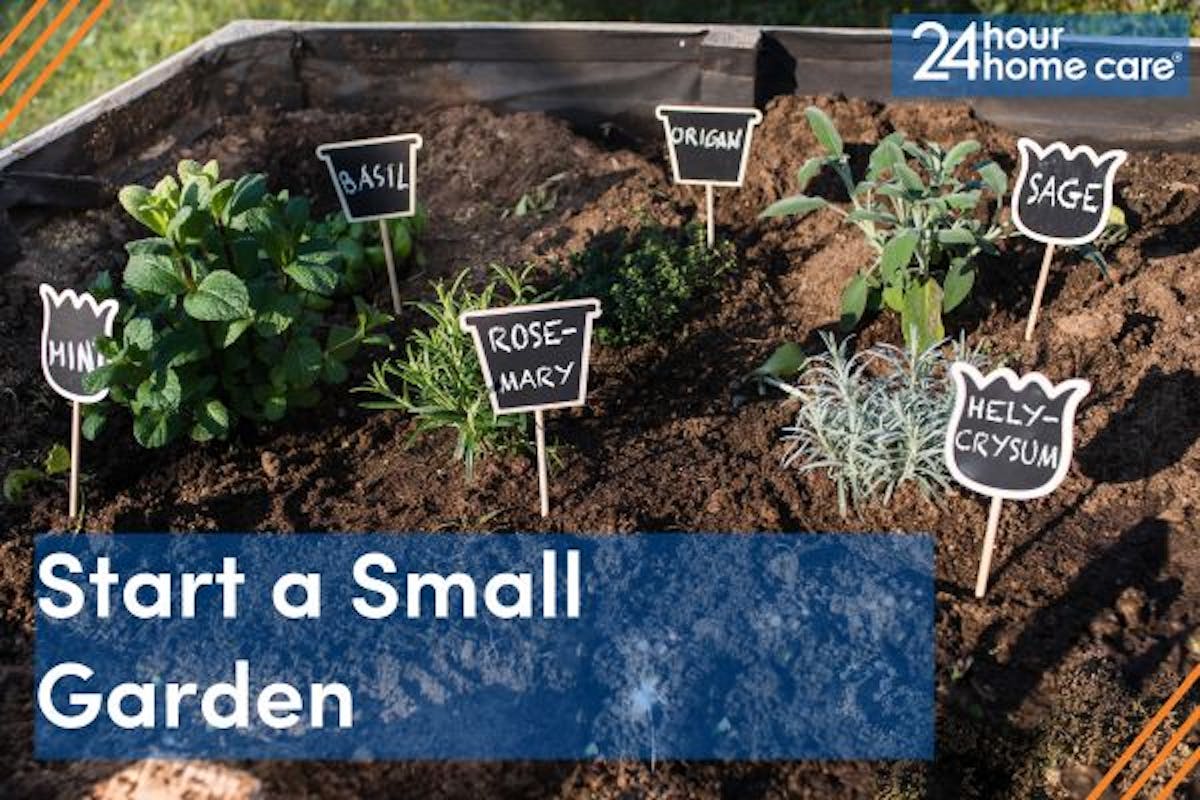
139,333
58,460
154,274
220,297
313,276
302,361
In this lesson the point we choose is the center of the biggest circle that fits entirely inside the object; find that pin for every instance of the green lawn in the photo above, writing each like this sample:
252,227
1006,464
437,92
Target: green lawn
134,34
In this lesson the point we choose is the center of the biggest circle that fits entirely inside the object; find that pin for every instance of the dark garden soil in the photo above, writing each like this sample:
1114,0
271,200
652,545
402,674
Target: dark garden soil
1092,616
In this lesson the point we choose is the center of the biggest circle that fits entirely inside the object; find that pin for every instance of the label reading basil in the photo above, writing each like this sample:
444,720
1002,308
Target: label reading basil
534,357
71,323
1011,437
374,178
708,145
1063,195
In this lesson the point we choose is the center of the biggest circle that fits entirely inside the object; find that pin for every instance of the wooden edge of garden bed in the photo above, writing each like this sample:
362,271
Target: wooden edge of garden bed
604,74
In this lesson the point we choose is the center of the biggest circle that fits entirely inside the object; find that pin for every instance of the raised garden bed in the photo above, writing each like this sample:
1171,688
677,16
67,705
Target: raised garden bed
1091,617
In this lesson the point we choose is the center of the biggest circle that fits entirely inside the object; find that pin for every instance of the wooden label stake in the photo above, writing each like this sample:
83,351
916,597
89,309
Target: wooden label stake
1038,290
539,421
709,219
535,358
71,324
393,280
1009,438
708,146
989,543
376,179
1063,196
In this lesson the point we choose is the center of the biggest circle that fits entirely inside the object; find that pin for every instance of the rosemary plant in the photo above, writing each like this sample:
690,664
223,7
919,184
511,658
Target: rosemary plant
438,380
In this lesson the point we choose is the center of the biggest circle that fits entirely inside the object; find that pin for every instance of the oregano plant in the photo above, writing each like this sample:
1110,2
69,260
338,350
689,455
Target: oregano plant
228,310
925,223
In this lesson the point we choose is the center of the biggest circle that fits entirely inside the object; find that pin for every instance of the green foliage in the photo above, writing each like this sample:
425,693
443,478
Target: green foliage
540,200
925,224
875,419
646,281
439,380
227,312
18,481
1116,230
361,248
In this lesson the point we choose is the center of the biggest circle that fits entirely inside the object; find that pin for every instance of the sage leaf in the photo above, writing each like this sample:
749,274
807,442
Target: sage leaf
960,278
854,302
823,128
797,205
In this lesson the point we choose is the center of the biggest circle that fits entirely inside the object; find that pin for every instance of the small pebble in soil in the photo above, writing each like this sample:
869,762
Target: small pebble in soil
270,464
1129,606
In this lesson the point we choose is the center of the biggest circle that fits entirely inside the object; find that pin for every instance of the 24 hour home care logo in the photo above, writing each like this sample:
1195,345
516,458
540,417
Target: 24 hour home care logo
1067,55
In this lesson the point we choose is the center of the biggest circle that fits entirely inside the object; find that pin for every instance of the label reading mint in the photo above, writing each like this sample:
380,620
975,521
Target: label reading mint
71,323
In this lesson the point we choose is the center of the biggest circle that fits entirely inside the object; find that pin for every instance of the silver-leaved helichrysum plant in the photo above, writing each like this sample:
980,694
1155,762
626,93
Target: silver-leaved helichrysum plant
875,419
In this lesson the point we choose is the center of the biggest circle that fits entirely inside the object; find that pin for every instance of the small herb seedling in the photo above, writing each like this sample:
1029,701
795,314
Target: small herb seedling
17,482
540,200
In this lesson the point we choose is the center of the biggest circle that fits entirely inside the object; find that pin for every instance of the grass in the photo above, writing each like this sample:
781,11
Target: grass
135,34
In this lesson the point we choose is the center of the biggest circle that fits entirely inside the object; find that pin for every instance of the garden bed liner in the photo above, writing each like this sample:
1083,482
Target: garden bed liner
608,75
1091,618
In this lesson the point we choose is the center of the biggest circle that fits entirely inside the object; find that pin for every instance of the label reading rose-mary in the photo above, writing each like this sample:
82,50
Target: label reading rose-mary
536,356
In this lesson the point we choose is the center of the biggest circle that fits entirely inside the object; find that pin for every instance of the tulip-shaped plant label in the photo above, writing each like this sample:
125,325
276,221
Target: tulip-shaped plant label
709,146
1063,196
535,358
71,324
376,179
1009,438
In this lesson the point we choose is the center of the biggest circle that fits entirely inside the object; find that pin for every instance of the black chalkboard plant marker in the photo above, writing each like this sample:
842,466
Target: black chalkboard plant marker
708,146
376,179
535,358
1009,438
71,323
1063,196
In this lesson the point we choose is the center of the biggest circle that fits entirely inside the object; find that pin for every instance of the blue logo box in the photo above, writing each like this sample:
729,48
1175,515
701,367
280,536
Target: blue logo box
511,646
1042,55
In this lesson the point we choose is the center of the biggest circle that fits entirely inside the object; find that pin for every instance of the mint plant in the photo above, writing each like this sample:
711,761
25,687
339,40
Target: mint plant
875,419
227,311
439,380
926,224
648,280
